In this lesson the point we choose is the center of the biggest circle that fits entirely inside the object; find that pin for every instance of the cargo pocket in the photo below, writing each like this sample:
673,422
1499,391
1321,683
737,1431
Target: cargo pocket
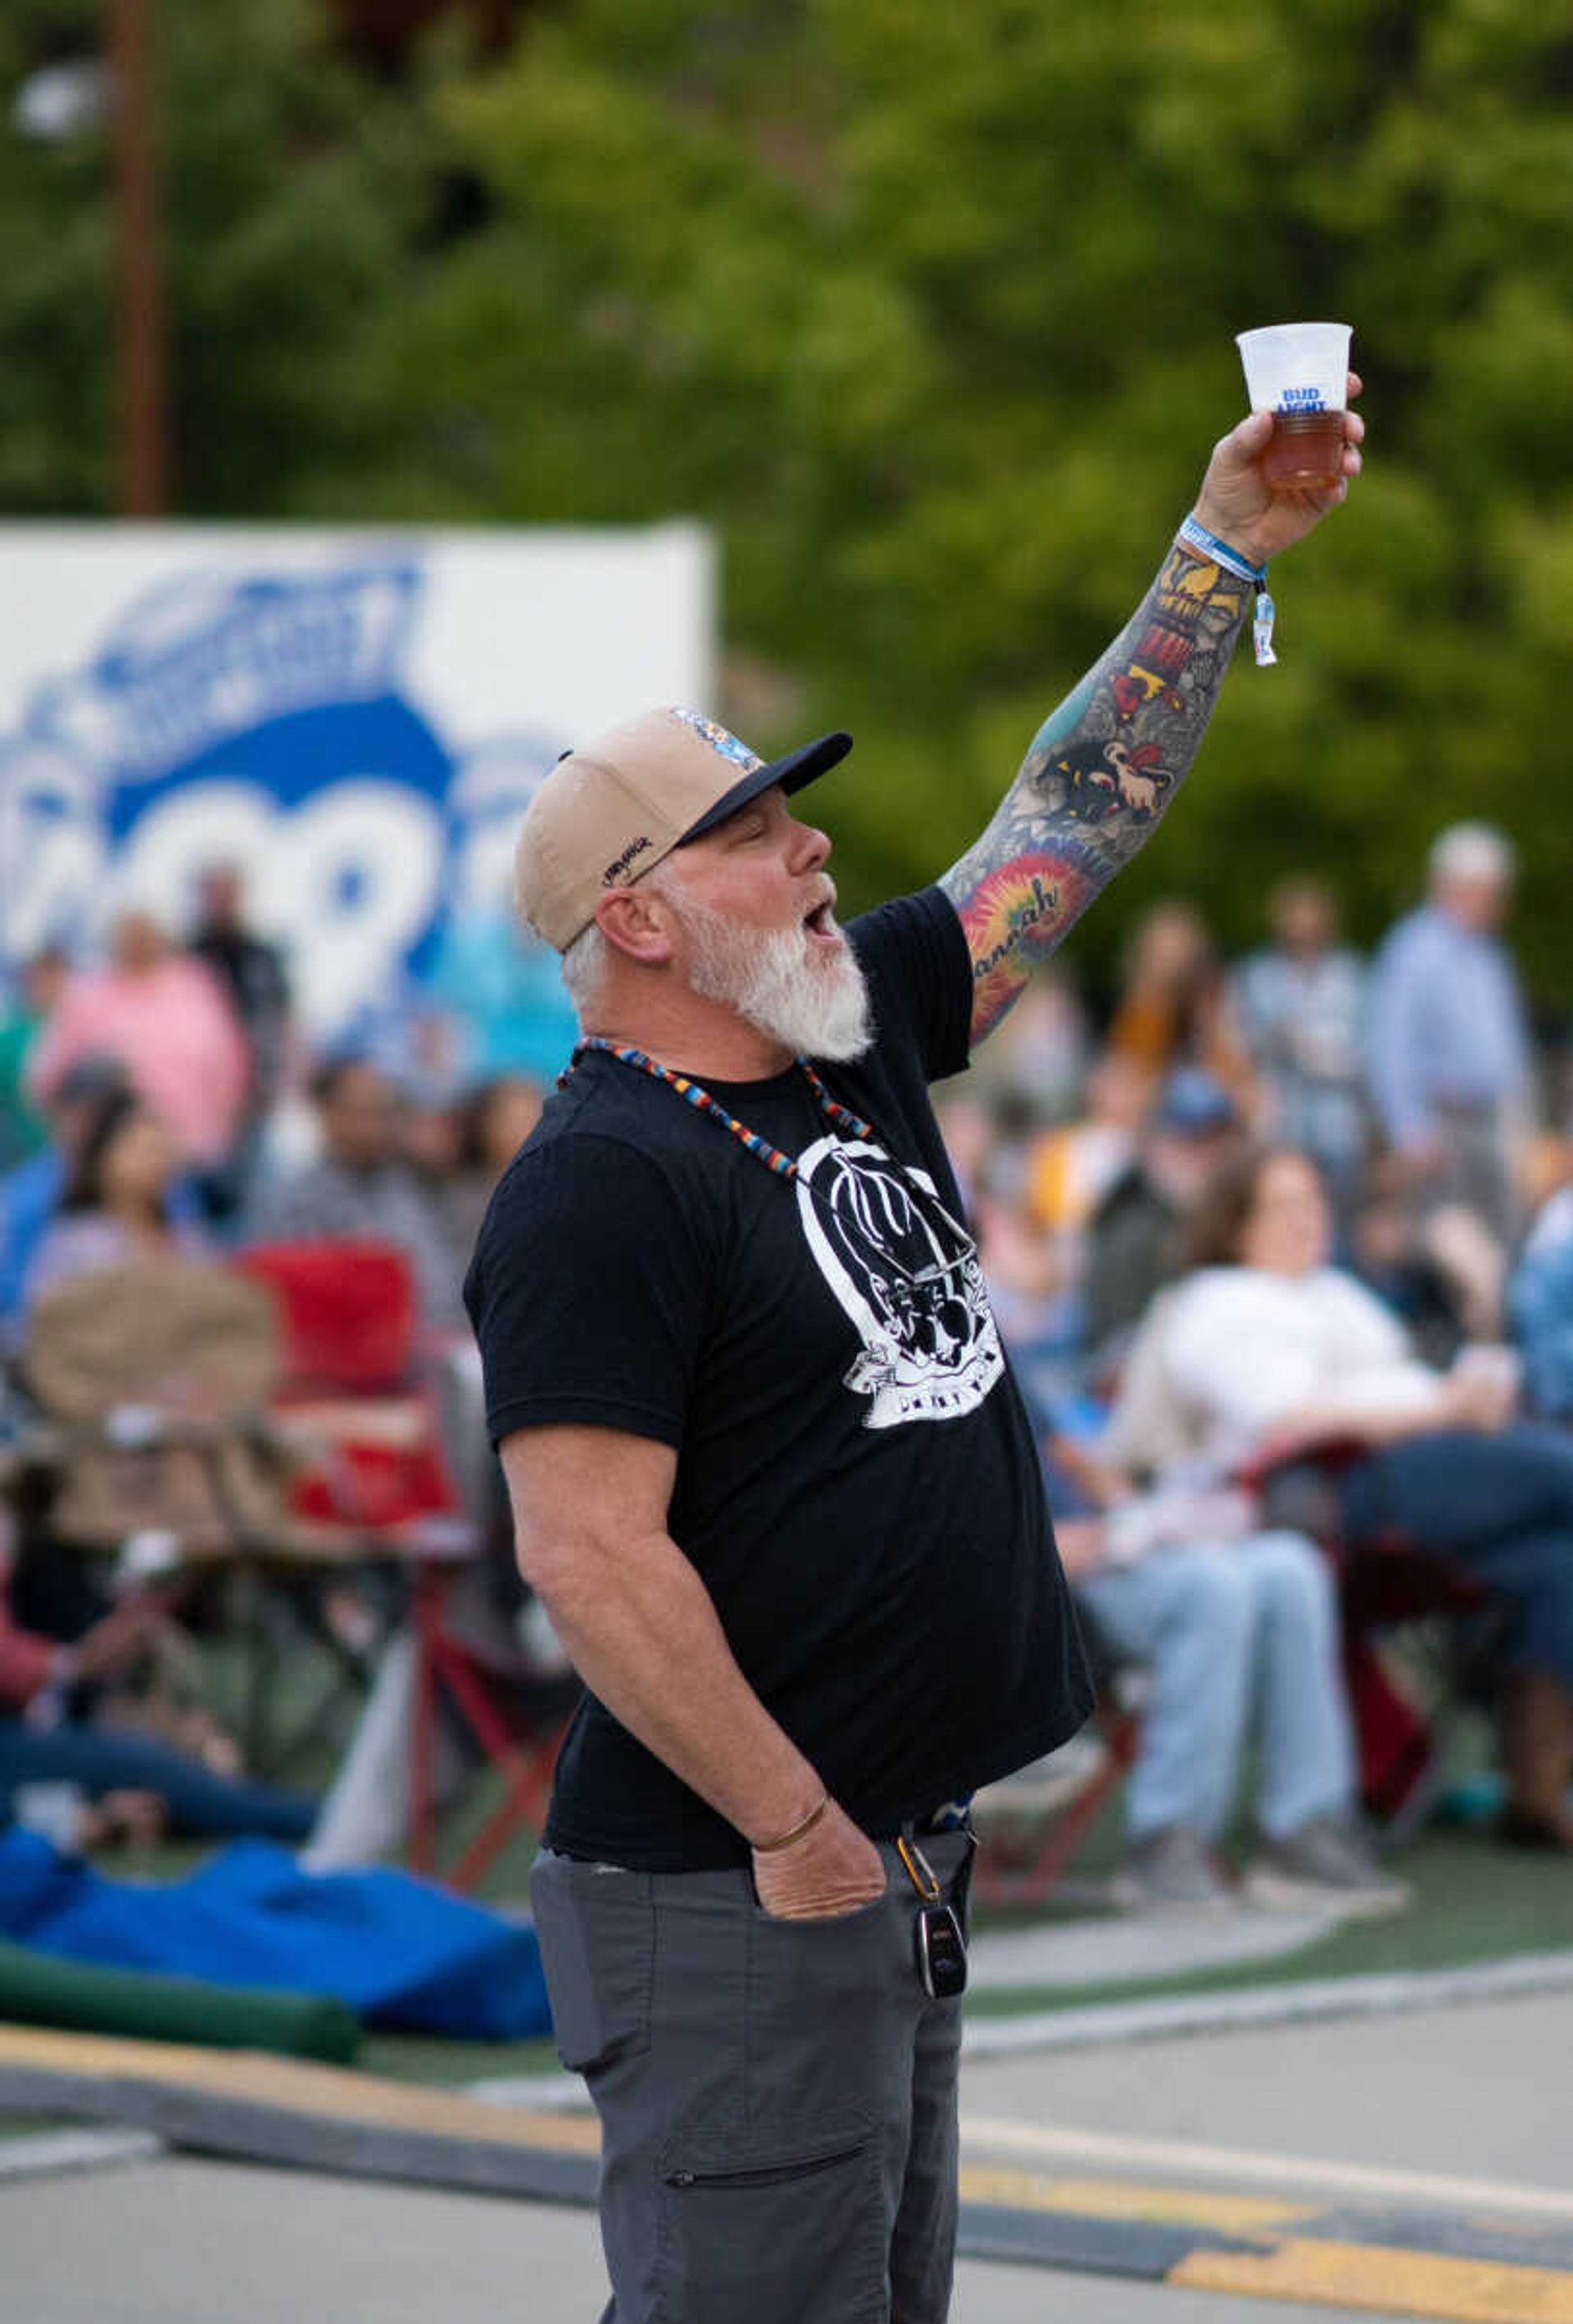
760,2231
596,1927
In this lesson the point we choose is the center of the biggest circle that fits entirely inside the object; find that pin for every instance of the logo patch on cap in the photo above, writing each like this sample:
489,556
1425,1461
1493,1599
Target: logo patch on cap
718,739
619,869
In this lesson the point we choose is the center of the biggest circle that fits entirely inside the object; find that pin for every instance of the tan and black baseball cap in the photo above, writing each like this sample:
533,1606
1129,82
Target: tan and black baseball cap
607,813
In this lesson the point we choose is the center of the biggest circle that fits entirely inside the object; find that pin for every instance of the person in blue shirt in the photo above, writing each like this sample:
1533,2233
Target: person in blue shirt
1451,1062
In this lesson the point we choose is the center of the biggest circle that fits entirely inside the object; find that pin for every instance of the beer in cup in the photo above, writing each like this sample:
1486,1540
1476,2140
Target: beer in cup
1299,373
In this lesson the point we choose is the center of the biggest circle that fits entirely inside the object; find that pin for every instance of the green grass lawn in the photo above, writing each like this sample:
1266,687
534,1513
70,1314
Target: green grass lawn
33,2125
1473,1902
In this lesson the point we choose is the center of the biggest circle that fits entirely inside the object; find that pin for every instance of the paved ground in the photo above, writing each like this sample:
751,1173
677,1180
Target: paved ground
1477,2093
199,2243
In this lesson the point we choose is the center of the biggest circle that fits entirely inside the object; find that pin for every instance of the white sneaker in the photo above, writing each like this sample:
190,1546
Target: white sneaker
1172,1871
1323,1866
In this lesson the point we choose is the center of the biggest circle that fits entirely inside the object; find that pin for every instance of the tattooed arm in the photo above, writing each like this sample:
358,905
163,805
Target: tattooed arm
1106,764
1098,777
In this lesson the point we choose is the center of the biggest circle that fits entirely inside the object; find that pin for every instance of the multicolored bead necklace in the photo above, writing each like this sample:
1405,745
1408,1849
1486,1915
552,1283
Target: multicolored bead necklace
694,1093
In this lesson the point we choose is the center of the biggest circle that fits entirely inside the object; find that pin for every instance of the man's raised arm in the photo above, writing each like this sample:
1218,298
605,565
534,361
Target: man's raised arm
1104,767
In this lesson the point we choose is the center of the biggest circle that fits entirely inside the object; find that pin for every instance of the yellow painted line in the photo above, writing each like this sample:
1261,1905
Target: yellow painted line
333,2092
1115,2199
1398,2282
1303,2173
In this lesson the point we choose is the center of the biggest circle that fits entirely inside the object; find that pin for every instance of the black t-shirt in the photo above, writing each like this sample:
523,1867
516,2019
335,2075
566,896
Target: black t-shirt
856,1480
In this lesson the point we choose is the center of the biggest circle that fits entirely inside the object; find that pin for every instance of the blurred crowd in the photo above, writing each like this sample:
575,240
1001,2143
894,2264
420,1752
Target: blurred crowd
1257,1232
1284,1249
1411,1080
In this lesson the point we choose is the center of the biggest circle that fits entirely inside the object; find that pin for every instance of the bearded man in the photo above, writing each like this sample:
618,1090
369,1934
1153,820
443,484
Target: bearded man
769,1472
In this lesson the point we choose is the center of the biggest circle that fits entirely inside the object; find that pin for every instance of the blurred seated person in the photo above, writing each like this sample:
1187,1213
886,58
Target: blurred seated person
168,1023
49,1733
1300,1004
117,1201
1237,1629
360,1187
30,1194
1134,1236
1267,1352
1175,1006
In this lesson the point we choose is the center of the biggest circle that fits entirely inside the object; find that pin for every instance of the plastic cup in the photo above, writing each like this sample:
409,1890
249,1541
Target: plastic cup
1299,373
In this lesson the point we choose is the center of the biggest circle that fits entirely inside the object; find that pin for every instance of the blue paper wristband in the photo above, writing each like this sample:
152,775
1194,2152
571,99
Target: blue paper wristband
1197,536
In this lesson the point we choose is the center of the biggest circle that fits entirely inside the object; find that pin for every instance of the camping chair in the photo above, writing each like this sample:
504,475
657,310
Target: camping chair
356,1395
1022,1855
350,1395
151,1382
1394,1595
517,1717
1393,1589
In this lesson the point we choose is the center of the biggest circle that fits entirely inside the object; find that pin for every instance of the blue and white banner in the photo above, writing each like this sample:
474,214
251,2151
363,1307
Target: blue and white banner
356,721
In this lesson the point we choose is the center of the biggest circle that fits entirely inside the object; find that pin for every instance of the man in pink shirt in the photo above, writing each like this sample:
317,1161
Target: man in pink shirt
165,1016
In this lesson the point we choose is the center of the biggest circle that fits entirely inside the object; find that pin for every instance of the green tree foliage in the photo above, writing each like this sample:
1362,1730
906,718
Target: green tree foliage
932,308
292,192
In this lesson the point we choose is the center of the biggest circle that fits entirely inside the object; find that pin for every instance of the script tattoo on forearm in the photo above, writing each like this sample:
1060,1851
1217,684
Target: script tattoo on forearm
1097,780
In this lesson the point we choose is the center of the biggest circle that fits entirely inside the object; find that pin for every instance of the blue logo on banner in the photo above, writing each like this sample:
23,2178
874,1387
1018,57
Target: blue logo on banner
261,720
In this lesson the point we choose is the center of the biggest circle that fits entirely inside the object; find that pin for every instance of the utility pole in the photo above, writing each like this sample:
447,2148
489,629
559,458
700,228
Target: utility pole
141,445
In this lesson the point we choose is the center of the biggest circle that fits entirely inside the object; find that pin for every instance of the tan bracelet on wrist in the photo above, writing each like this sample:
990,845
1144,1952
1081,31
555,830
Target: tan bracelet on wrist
798,1831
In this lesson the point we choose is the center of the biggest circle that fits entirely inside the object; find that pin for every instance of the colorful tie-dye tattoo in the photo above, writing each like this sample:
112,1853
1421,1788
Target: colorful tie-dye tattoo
1100,773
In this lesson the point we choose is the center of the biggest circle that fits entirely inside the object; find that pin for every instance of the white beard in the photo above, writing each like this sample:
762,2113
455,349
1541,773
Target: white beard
777,980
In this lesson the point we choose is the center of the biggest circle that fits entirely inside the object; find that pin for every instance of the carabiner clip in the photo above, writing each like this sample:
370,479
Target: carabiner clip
920,1871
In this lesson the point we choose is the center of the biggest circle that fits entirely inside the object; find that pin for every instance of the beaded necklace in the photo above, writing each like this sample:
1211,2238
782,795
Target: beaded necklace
964,1250
694,1093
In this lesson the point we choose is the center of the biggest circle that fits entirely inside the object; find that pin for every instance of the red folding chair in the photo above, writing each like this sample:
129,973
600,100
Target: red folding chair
517,1718
1391,1587
351,1386
376,1465
1020,1867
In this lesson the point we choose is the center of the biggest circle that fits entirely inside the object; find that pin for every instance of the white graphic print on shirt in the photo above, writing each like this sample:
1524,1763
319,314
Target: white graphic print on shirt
907,1277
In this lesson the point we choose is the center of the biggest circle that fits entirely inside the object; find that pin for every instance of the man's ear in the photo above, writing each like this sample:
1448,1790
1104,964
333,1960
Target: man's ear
637,923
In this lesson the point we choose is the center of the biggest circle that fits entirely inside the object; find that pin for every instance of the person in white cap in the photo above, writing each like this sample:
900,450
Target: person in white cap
769,1472
1451,1061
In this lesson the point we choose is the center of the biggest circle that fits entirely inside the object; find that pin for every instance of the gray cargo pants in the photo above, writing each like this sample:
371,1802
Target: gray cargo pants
777,2098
